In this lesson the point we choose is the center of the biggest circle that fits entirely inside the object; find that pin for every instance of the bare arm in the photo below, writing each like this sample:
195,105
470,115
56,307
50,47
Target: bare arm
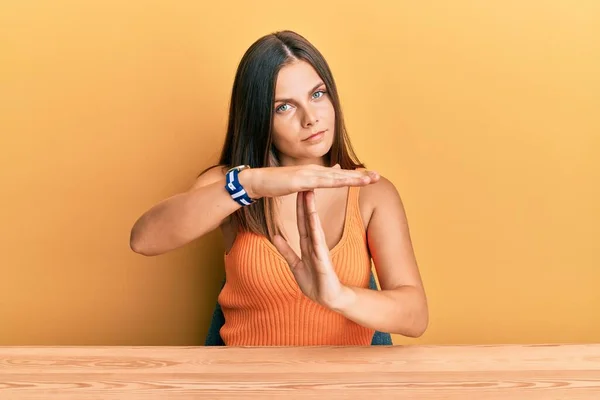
185,216
401,306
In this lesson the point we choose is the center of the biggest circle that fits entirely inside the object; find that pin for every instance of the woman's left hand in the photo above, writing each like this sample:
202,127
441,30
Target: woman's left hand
314,272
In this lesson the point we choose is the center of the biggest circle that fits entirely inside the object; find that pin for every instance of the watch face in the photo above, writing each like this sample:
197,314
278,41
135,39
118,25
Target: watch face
239,168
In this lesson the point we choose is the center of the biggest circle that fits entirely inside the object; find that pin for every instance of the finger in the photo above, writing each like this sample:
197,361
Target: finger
374,175
325,177
338,172
302,224
332,180
337,169
286,251
317,236
363,177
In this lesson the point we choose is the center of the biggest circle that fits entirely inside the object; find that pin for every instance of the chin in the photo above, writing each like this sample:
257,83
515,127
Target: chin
320,150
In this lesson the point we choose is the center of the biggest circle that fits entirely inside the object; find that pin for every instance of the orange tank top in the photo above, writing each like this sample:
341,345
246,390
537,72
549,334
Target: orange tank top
263,305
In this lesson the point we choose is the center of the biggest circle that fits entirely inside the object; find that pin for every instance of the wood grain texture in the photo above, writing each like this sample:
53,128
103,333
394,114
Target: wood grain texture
415,372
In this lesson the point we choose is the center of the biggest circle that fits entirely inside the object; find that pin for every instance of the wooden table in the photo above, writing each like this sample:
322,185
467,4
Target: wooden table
412,372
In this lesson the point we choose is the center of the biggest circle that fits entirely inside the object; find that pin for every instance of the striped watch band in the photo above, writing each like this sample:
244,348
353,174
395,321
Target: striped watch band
235,189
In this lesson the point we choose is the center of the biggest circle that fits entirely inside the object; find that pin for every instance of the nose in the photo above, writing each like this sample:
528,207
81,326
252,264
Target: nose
309,118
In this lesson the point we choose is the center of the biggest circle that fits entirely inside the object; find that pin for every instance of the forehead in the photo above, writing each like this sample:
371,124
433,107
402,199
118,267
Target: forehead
296,79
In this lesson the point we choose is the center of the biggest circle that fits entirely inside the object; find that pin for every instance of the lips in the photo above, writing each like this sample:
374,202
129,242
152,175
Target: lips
314,135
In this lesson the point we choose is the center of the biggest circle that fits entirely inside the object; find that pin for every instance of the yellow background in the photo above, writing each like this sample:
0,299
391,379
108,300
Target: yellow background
484,114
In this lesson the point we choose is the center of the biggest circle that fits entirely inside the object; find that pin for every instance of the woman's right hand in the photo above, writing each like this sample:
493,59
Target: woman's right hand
281,181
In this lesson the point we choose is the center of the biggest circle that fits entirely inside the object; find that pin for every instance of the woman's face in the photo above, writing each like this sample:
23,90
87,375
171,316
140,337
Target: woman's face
303,115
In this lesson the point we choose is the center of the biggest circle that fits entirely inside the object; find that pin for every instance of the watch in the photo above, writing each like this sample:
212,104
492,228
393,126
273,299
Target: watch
235,188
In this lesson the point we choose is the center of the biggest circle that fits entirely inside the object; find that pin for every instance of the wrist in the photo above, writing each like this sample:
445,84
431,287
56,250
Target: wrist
247,179
345,300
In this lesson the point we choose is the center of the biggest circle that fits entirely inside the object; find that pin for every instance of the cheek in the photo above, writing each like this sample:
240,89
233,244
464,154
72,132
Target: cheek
281,136
284,129
328,112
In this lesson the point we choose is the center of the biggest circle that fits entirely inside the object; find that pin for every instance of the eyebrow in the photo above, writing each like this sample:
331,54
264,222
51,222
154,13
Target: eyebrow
309,92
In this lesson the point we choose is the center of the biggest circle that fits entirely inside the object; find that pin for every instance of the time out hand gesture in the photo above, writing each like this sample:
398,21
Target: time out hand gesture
314,272
281,181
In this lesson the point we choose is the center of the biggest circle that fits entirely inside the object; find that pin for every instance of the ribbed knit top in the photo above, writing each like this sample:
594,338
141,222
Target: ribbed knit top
264,306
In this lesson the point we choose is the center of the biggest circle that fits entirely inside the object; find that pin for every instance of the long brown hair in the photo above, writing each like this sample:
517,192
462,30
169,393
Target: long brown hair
249,131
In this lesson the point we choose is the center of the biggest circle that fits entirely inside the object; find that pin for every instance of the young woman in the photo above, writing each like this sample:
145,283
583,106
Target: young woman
300,215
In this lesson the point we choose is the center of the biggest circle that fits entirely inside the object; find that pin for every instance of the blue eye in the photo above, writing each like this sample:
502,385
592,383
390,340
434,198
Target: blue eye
279,109
322,92
316,95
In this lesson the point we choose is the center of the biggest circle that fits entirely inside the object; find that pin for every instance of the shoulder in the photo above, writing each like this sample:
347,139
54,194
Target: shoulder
208,176
379,196
380,190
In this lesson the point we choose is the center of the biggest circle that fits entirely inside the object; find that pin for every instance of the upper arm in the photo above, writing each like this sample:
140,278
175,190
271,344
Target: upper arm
389,239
